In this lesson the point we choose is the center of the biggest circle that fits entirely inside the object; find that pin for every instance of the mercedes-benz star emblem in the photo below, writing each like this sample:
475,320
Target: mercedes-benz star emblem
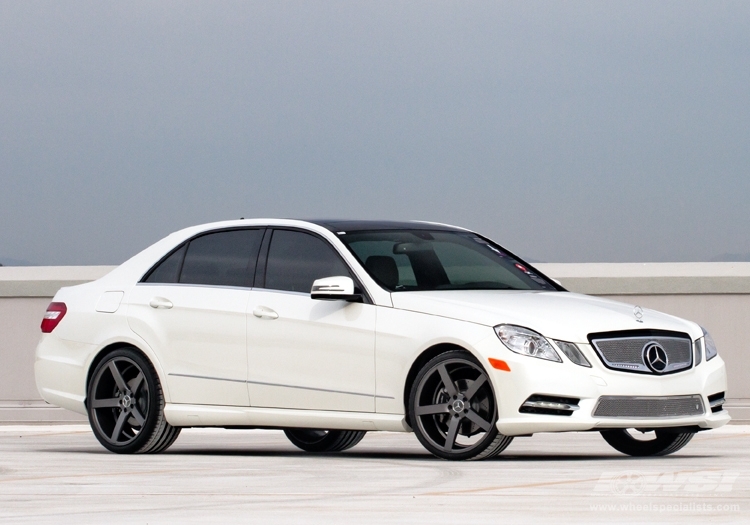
638,313
655,357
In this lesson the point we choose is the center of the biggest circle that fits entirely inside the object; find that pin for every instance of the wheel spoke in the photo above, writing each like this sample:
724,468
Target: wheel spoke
138,417
136,383
431,409
476,418
118,426
447,381
113,402
117,377
476,385
450,438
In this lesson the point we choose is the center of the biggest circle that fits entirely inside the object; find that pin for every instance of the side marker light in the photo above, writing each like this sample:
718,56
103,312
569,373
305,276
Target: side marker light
499,364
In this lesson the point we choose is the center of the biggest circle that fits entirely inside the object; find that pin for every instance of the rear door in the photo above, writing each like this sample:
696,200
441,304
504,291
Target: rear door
192,309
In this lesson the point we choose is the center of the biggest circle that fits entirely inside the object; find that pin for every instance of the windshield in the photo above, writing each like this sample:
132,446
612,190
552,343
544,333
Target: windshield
407,260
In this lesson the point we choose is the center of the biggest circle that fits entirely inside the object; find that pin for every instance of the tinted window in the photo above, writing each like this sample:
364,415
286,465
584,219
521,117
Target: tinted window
168,271
223,258
403,260
296,259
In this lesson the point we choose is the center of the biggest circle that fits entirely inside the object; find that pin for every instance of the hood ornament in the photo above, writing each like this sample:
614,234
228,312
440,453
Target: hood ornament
638,313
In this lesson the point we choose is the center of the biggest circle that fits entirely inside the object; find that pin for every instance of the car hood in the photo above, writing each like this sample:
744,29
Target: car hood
558,315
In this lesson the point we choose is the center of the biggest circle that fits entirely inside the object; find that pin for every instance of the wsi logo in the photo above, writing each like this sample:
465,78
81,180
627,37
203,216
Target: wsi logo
631,482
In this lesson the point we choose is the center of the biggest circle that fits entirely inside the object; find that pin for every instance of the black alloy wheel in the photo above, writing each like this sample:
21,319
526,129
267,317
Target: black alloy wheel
453,410
660,442
126,405
311,440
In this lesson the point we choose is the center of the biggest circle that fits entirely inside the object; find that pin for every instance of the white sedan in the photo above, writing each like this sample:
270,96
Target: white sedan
330,329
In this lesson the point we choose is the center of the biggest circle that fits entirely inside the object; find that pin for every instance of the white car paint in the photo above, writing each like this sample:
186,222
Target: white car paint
317,355
323,364
201,336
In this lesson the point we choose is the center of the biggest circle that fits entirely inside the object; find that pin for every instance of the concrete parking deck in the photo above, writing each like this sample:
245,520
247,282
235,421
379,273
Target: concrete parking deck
60,474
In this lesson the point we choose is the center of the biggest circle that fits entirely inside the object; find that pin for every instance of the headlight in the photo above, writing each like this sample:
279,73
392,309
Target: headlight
526,342
698,351
709,344
573,353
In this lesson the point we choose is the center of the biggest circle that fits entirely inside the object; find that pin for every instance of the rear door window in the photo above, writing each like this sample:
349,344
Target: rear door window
225,258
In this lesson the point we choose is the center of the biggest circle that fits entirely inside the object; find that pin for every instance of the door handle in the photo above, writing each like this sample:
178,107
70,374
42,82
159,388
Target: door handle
160,303
263,312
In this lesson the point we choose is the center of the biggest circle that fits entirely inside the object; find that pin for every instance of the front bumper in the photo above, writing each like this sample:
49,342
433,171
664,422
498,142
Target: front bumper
530,376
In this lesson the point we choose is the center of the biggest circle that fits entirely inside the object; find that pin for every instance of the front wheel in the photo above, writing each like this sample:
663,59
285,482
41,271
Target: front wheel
453,411
657,443
311,440
126,405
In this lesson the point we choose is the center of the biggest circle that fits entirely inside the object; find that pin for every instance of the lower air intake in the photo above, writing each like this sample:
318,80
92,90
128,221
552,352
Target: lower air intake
649,407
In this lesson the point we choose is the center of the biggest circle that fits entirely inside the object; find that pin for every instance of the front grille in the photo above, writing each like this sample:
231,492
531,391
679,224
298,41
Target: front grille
649,407
628,352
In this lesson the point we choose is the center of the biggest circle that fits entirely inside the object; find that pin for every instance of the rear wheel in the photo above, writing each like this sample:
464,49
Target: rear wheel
656,443
126,405
453,411
311,440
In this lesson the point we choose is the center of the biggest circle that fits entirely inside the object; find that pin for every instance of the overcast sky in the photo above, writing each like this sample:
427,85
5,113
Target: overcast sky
566,131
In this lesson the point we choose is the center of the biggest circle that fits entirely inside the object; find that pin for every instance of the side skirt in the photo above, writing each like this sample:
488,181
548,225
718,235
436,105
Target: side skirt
180,415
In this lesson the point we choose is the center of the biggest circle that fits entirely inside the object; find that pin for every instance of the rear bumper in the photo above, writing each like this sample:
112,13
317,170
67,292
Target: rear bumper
60,370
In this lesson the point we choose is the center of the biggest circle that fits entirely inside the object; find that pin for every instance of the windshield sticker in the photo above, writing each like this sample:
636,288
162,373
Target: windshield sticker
488,245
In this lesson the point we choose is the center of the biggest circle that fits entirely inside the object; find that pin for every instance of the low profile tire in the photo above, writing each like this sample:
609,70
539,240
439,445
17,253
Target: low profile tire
311,440
126,405
663,442
452,409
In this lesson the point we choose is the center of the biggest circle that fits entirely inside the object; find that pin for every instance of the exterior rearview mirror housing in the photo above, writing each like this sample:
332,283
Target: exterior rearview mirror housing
338,288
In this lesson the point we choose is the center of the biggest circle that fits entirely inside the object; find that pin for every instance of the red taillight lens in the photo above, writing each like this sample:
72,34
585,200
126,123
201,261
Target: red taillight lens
52,317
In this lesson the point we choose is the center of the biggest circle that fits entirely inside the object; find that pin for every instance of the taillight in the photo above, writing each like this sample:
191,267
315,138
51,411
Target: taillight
52,317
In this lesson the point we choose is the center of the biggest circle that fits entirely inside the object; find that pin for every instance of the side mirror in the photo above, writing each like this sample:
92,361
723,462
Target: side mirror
338,288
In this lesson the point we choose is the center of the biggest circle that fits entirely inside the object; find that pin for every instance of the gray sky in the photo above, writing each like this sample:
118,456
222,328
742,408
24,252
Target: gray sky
581,131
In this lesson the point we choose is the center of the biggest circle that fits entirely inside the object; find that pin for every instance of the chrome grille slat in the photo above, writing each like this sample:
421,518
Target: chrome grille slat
626,353
643,407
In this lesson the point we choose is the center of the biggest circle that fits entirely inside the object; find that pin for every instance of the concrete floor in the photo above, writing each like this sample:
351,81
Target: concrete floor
60,474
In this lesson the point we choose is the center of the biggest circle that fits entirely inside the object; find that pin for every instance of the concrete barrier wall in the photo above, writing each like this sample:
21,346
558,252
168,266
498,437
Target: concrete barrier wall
25,293
715,295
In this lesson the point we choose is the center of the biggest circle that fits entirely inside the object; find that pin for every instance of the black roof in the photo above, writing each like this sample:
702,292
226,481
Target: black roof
351,225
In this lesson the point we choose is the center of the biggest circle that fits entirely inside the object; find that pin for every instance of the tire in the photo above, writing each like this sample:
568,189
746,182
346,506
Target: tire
665,442
453,411
311,440
125,405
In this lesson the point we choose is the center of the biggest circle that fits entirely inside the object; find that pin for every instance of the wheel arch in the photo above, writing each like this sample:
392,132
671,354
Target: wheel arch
110,347
422,359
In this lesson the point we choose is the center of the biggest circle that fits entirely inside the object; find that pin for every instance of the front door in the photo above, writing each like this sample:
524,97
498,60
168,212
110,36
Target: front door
305,353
